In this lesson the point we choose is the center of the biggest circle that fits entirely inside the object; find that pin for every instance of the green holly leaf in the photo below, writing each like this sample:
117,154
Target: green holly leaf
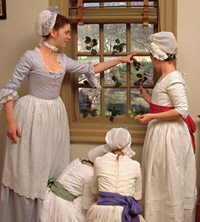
87,40
136,83
139,75
129,111
117,41
88,47
94,112
145,78
133,110
94,42
93,51
116,47
118,84
111,118
85,113
114,78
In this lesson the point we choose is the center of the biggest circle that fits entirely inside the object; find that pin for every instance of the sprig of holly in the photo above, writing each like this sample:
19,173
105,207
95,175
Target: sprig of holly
133,114
91,43
114,112
117,82
89,110
118,47
141,77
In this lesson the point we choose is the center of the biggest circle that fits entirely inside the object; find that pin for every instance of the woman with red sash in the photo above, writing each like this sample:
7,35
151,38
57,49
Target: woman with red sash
168,162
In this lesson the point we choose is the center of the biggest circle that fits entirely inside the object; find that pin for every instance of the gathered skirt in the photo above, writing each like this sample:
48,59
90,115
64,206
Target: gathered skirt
56,209
100,213
42,151
169,172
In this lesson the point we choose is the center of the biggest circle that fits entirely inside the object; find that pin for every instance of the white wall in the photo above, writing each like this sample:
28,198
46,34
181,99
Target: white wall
17,35
188,61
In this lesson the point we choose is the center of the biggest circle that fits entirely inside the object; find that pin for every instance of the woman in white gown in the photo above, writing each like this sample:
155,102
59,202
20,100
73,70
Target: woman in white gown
168,163
117,180
71,204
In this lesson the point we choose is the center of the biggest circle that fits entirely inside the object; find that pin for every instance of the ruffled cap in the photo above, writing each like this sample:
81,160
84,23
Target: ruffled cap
46,21
119,138
163,44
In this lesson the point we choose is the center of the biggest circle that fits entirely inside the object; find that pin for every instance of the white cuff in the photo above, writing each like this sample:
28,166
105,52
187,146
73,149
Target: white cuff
92,79
13,96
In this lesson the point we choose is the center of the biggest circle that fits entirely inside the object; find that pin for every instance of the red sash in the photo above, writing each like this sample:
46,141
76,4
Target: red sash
189,121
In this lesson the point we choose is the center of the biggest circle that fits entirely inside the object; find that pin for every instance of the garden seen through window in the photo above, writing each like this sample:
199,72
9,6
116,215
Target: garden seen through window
127,95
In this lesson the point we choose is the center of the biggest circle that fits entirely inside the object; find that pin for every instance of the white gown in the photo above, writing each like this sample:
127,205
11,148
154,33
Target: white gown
123,177
77,179
168,163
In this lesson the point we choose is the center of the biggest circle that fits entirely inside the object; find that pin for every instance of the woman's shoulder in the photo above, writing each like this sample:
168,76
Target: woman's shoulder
30,53
175,77
128,160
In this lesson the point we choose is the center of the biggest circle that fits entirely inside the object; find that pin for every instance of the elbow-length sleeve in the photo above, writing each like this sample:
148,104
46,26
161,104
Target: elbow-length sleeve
88,197
177,93
9,91
86,68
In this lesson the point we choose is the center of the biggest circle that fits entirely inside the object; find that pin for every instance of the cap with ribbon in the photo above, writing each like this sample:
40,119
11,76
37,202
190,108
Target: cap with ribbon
46,21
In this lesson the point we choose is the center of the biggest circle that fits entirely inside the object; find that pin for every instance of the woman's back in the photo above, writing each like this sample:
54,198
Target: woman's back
121,176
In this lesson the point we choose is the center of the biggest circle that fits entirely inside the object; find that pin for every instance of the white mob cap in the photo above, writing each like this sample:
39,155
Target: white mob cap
119,138
46,21
96,152
163,44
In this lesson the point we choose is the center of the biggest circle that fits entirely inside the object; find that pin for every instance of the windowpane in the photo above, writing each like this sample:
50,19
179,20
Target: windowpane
91,30
91,4
140,37
115,98
94,60
141,4
119,71
113,32
146,69
138,102
89,97
115,4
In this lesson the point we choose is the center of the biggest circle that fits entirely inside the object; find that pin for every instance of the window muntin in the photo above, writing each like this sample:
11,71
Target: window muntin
123,98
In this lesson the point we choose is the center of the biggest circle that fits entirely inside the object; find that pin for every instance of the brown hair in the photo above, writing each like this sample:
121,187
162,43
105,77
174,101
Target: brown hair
61,20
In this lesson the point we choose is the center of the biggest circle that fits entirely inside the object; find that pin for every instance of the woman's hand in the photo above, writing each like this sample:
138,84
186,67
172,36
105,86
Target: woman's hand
129,58
144,93
145,118
13,131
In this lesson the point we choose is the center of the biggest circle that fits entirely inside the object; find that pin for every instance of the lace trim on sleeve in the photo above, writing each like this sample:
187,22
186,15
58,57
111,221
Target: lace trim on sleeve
13,96
92,79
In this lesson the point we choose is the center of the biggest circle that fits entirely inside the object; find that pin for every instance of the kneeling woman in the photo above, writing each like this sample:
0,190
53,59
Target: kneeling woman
117,180
69,197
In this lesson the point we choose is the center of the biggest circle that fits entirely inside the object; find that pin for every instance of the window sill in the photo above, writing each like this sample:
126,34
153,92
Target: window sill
95,131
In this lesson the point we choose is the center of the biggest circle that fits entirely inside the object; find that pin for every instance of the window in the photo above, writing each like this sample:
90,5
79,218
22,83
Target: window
107,21
135,37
